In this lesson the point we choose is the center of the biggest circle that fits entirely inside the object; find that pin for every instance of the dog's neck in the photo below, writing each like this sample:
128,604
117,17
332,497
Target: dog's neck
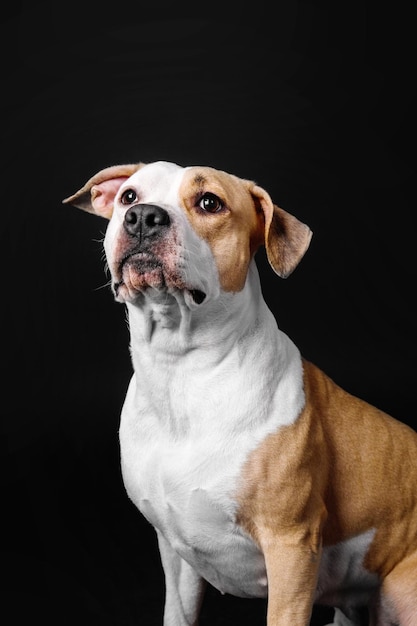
234,332
237,329
165,322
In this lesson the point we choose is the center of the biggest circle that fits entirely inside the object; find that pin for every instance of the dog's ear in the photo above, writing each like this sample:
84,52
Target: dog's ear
286,238
97,195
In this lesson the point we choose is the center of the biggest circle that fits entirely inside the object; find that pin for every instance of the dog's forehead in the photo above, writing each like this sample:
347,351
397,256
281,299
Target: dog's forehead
170,183
156,180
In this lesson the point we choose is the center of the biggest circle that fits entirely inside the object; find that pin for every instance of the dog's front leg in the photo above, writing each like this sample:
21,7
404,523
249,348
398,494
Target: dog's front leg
292,570
184,588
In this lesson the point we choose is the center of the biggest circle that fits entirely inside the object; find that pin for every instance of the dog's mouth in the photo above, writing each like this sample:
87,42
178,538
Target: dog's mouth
139,272
197,295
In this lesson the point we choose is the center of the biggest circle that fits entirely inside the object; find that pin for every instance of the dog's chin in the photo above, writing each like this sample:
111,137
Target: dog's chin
154,283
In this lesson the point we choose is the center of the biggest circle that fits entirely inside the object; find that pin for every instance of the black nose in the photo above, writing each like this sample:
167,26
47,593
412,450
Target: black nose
146,220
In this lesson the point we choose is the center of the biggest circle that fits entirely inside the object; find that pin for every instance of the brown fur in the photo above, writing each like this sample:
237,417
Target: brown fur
344,467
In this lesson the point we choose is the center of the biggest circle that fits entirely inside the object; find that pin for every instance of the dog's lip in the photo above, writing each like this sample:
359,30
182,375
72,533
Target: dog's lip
137,256
197,295
150,262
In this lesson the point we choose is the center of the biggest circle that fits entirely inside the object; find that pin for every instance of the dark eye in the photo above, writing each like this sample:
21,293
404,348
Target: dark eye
210,203
129,196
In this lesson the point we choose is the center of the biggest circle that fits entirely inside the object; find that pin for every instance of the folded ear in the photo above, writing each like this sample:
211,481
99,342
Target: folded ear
286,238
97,195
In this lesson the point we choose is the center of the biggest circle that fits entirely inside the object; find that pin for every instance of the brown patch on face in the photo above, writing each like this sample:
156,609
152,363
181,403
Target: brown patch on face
233,233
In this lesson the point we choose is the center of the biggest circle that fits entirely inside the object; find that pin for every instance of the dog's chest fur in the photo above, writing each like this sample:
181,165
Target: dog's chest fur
188,426
184,490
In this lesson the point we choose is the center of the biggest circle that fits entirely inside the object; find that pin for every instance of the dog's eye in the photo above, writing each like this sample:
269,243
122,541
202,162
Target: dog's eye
210,203
129,196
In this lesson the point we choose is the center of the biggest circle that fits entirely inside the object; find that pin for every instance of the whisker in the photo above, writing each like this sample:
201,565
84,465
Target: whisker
105,286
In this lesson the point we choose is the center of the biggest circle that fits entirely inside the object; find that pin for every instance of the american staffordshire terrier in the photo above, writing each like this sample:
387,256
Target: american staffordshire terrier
259,473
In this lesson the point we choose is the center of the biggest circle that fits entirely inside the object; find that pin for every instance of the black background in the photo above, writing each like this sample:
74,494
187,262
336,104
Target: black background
313,100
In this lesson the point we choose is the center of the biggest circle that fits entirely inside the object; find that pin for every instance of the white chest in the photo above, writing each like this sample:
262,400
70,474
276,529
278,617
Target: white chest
186,431
186,492
184,481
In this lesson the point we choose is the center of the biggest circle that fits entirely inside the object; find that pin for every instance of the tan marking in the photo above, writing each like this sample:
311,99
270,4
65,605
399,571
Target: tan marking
343,459
233,235
286,238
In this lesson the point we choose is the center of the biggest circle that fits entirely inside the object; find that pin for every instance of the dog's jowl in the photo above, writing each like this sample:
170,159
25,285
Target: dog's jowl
260,475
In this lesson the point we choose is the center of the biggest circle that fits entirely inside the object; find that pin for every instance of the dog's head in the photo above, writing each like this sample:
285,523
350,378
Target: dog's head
193,229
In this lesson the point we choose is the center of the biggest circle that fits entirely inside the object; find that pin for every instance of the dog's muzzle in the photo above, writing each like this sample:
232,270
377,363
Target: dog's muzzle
148,259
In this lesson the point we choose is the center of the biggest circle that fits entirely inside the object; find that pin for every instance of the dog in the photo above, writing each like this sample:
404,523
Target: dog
259,473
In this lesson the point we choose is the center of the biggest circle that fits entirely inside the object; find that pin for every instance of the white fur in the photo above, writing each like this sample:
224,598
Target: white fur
343,579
